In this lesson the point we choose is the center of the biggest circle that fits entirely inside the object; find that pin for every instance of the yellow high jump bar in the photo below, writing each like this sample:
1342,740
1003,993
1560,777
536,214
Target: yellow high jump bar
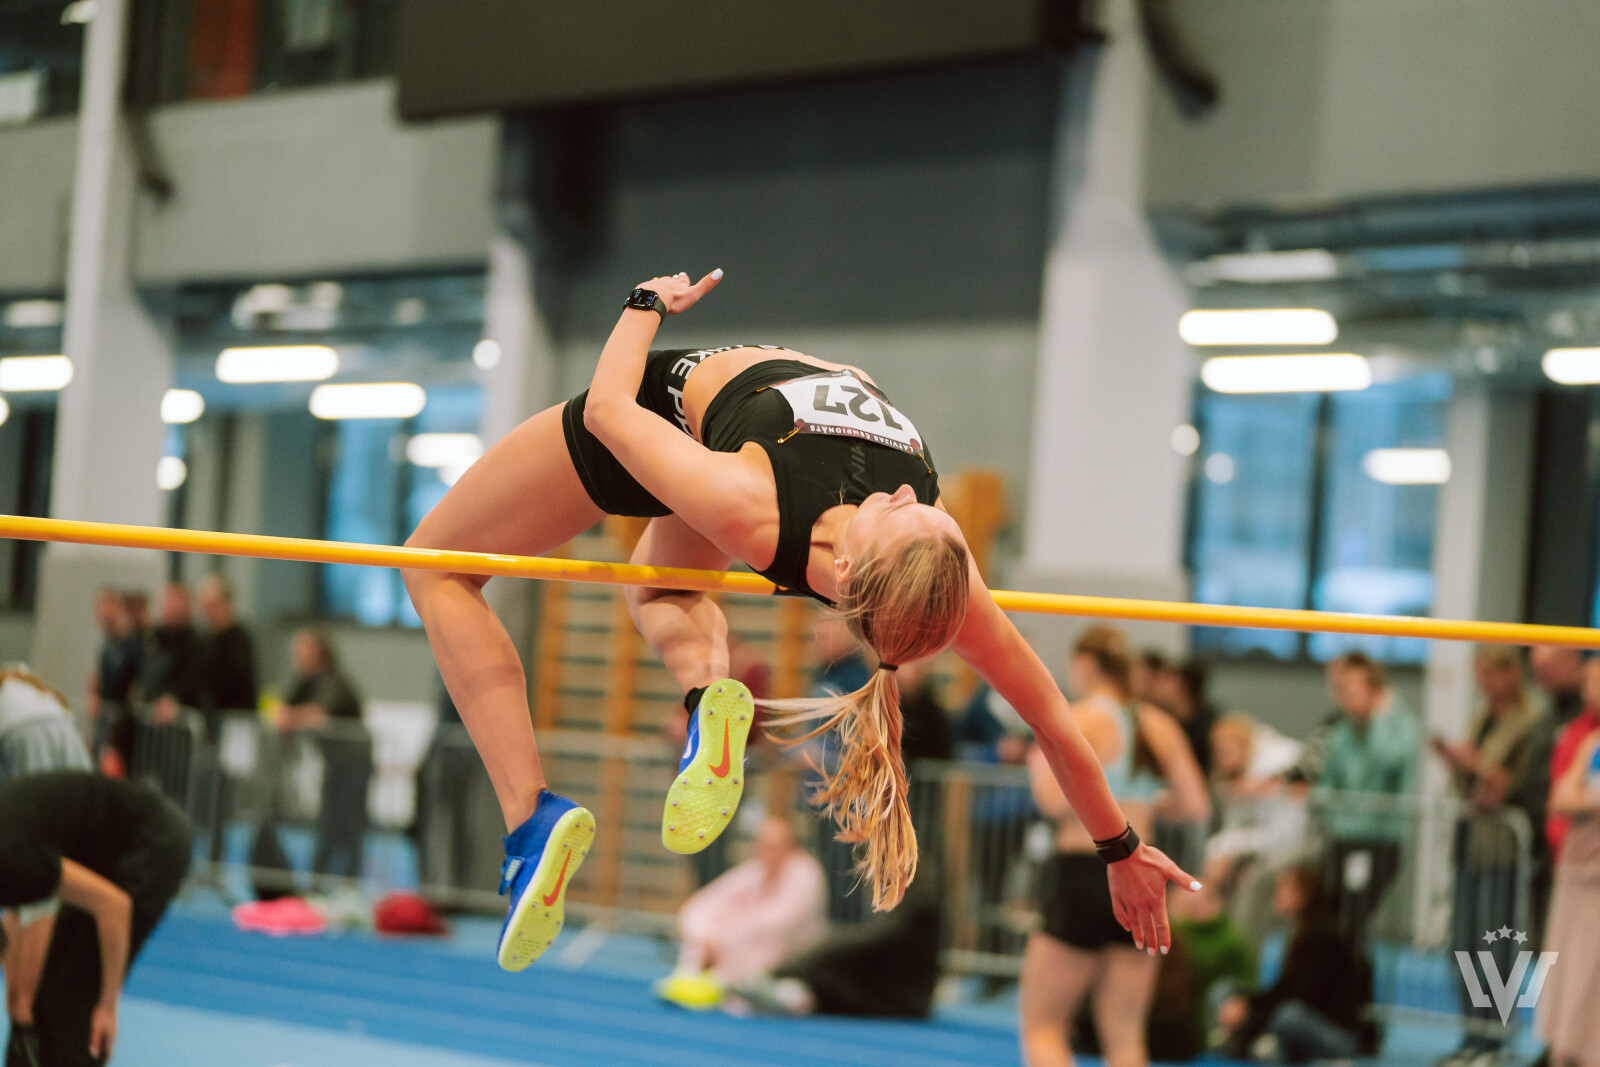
262,546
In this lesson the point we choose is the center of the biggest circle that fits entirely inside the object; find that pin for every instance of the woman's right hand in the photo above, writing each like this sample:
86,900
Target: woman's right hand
678,294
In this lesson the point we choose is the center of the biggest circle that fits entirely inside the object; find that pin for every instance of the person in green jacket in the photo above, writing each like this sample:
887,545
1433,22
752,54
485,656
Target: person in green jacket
1372,750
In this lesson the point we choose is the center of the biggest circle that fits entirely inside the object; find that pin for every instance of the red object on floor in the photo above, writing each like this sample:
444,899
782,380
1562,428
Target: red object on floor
407,913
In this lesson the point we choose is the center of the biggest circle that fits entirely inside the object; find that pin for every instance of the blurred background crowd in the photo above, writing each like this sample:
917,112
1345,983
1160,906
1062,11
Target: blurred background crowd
1241,302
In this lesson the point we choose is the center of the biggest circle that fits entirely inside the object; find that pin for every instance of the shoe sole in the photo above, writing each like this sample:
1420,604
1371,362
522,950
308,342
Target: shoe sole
534,924
701,803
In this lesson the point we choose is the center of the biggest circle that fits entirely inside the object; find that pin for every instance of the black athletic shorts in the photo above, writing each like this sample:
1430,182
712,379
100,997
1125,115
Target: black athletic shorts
607,481
1076,903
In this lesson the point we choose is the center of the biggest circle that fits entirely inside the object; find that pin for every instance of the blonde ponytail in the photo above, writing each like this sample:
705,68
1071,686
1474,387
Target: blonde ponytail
905,605
867,794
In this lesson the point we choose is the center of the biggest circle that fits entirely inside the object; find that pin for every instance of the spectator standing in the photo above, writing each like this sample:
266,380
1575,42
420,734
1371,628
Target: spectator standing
173,666
1180,690
1558,672
228,672
111,688
1368,769
1144,674
744,923
1566,1013
322,700
925,724
1488,766
1566,748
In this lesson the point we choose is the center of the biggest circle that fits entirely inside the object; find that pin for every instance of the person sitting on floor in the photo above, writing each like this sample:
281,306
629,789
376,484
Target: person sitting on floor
747,920
1315,1010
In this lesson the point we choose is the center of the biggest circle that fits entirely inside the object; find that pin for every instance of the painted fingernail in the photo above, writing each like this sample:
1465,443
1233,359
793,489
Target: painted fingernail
1195,886
1163,950
717,273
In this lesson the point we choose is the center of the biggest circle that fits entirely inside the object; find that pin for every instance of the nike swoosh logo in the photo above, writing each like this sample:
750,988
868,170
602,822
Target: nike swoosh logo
550,897
721,769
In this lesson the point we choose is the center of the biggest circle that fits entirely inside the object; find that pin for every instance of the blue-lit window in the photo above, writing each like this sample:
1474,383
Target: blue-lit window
377,496
1320,501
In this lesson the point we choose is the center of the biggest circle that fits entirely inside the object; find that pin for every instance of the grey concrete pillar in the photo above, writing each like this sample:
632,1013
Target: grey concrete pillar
109,431
1106,499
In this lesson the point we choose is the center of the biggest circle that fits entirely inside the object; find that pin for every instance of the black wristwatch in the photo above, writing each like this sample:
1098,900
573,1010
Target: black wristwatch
1117,848
646,300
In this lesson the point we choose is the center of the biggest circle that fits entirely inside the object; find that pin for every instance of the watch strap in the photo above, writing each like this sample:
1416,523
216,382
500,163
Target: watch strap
1113,849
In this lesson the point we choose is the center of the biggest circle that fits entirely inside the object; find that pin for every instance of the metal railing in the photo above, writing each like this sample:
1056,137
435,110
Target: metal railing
1412,877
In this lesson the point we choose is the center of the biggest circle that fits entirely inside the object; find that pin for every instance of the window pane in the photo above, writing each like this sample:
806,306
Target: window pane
363,505
1252,518
449,410
1377,537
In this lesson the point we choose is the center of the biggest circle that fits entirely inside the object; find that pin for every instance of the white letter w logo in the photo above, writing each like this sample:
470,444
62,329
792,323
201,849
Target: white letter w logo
1504,990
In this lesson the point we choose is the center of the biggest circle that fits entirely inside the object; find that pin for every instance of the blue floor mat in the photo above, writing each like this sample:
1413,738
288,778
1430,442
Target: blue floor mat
415,993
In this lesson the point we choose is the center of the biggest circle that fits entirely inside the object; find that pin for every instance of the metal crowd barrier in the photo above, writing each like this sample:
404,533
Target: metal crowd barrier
1414,878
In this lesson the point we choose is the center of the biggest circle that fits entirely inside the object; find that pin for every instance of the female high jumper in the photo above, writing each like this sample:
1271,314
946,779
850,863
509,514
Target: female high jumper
805,471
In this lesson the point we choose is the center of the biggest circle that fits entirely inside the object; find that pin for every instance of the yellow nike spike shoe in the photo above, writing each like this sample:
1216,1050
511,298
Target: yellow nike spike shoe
710,780
542,855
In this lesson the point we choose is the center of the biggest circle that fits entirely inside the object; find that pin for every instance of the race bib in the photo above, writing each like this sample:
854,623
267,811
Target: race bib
839,403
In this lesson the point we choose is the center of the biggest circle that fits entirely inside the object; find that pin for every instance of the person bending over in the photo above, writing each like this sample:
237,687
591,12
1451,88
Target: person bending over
804,470
114,853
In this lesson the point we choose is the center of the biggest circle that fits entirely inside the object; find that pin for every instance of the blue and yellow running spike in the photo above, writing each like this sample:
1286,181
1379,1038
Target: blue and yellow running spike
710,780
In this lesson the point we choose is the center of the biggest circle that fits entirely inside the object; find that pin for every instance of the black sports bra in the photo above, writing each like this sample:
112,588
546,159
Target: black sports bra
853,444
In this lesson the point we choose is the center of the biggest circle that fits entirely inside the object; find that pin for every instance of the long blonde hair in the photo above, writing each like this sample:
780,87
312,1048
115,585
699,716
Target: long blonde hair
904,605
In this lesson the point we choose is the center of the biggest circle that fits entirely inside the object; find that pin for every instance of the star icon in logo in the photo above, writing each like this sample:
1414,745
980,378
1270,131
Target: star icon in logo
1521,937
1504,932
1489,937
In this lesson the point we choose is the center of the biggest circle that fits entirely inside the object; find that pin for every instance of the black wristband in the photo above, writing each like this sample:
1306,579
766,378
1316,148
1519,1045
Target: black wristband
1118,848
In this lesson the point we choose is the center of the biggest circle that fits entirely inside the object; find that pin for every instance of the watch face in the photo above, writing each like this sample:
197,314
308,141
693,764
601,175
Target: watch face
642,298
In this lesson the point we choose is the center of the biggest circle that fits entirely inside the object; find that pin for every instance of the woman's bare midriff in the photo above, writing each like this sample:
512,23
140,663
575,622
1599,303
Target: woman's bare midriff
716,371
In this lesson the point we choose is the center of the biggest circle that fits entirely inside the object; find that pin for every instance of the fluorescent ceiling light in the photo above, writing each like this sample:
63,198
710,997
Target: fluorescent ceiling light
444,449
171,472
1258,326
1286,374
181,406
376,400
1301,264
486,354
34,374
5,411
277,363
1573,366
1407,466
32,314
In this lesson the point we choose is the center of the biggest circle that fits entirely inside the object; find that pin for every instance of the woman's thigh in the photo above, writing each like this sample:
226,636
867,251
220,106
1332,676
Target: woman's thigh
522,497
1055,977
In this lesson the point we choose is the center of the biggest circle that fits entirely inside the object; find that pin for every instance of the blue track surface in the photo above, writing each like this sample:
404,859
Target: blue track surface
423,994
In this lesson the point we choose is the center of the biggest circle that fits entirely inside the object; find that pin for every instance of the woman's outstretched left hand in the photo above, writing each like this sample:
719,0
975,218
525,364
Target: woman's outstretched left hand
678,294
1139,895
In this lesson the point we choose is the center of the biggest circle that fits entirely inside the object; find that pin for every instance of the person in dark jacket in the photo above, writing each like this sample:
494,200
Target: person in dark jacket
111,687
1317,1008
116,853
228,673
172,675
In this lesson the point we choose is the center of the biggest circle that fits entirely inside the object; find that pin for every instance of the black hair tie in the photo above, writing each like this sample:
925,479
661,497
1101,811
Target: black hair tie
888,666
